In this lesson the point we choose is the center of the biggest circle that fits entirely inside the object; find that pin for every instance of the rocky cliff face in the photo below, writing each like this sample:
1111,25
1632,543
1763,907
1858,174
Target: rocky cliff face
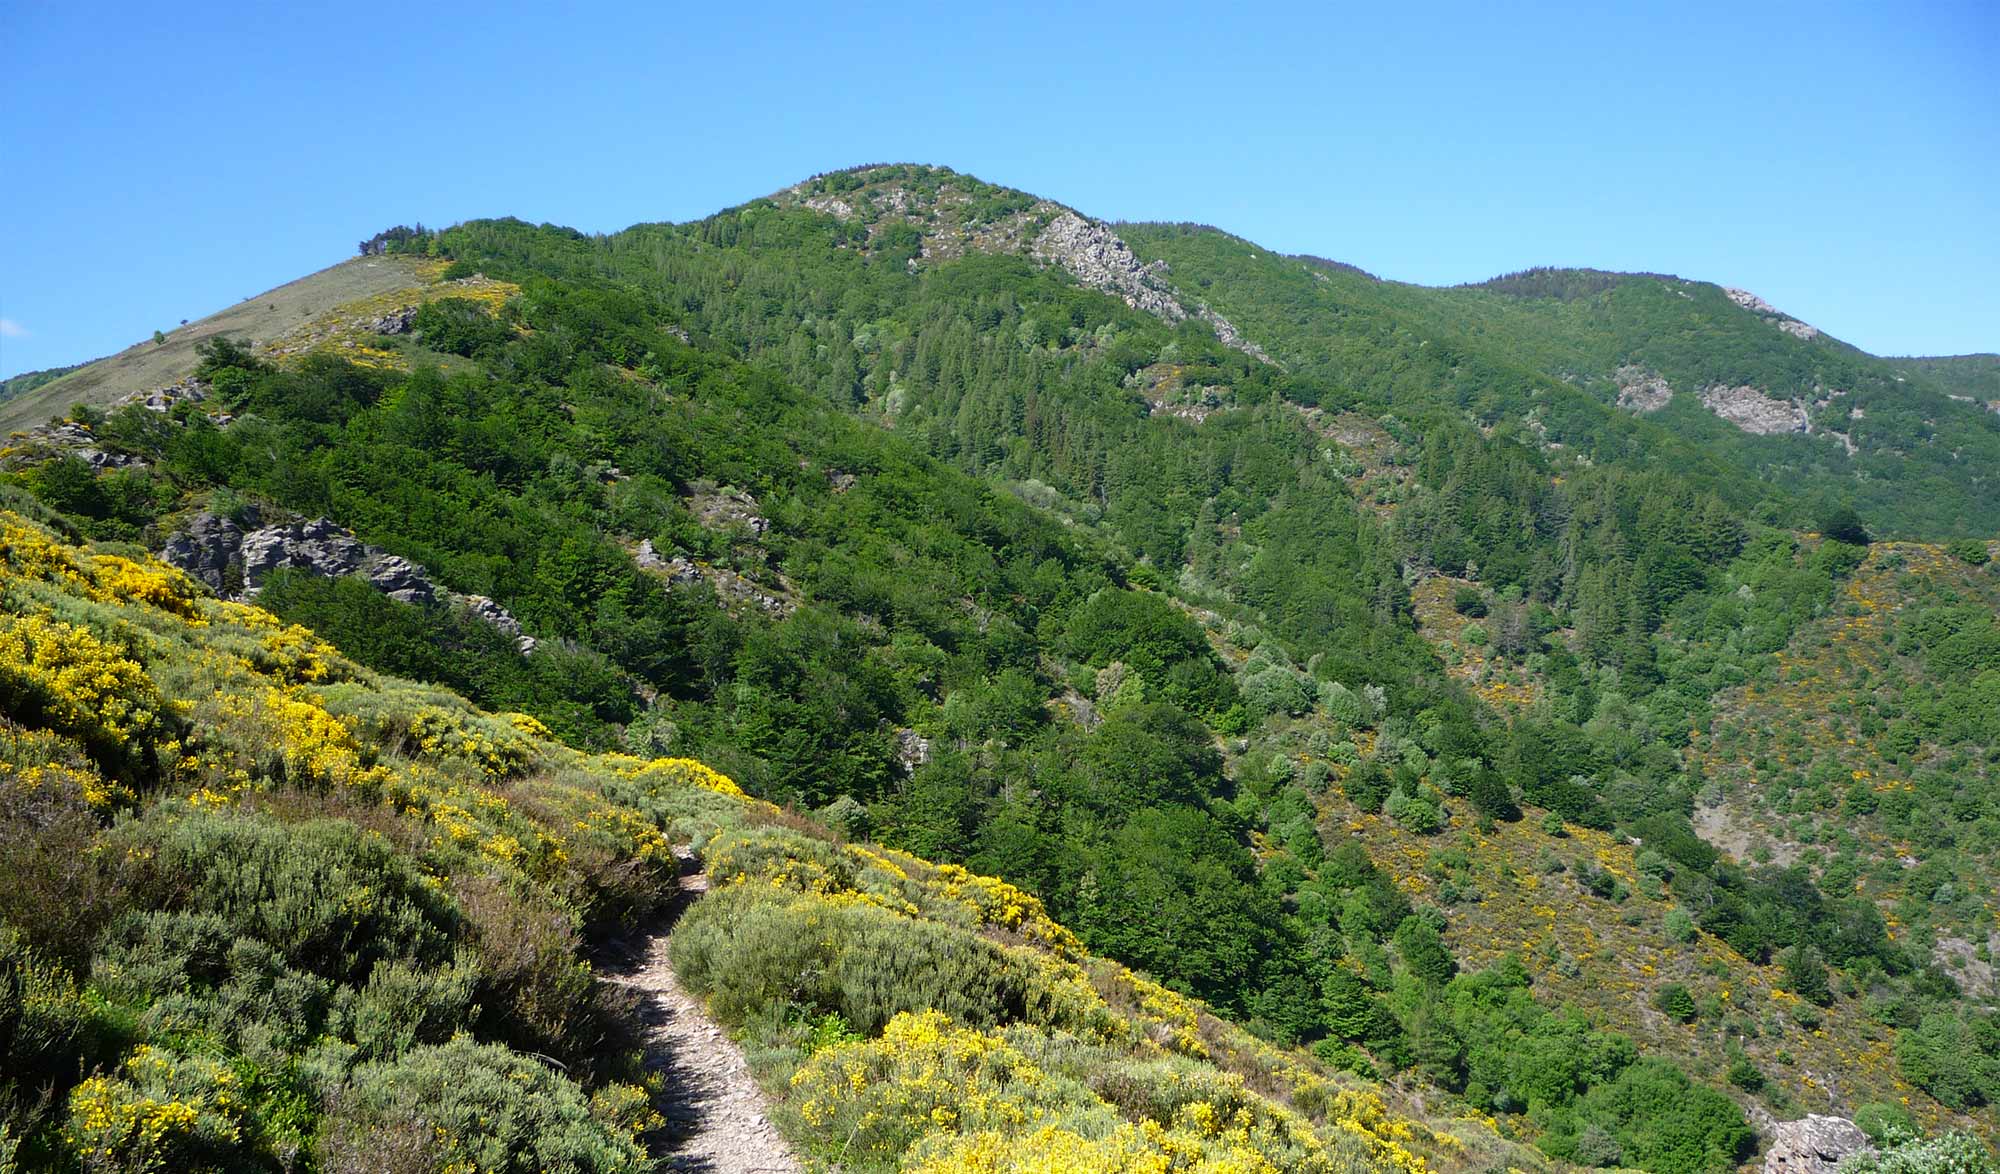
235,560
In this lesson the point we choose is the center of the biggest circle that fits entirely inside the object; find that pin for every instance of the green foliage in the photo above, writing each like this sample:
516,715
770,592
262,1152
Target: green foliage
1841,524
459,326
1956,1152
861,962
465,1104
1970,551
1675,1001
1885,1125
1661,1121
332,899
1953,1057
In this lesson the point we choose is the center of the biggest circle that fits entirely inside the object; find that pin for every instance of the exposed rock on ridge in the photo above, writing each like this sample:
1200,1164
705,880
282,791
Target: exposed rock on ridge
1779,318
1640,390
235,562
1098,257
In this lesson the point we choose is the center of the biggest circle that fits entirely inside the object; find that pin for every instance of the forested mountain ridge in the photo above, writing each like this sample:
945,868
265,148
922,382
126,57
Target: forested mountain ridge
1279,662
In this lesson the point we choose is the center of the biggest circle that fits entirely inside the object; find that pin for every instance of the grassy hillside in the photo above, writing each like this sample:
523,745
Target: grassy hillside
263,319
29,380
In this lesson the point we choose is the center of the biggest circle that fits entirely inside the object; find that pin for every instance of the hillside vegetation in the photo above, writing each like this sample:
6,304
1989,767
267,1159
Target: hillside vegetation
266,909
1341,686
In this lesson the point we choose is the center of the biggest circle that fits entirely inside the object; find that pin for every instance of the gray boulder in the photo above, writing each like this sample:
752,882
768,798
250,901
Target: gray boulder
1813,1145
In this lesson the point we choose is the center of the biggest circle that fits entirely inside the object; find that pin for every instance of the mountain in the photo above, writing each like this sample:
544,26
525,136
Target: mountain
1453,690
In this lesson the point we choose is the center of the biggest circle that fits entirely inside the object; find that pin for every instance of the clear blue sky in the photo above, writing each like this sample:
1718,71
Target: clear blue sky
1842,160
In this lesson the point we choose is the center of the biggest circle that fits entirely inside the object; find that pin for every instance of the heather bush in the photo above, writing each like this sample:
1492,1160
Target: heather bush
464,1105
333,899
745,950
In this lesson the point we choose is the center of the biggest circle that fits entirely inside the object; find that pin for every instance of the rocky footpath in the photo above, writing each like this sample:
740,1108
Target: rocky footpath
235,559
716,1119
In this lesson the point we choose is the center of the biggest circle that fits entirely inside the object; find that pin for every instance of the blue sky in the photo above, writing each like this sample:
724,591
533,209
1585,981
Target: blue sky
1841,160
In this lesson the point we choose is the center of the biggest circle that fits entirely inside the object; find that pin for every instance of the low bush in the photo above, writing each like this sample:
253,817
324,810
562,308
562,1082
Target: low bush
464,1106
332,899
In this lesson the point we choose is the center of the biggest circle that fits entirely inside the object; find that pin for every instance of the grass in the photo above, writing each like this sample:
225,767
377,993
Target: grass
147,365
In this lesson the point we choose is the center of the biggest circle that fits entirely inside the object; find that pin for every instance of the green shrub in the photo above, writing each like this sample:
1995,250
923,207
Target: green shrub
1664,1123
332,899
465,1105
52,889
1745,1075
747,950
1971,551
47,1029
193,976
1956,1152
404,1006
1676,1001
534,991
162,1111
1885,1124
1679,926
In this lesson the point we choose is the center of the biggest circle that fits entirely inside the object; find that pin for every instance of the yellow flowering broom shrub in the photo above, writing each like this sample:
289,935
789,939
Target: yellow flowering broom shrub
923,1075
66,679
160,1112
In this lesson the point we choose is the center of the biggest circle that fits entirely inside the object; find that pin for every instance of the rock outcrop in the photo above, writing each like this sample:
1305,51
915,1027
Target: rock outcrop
1640,390
1100,259
1778,318
235,560
1753,411
1813,1145
731,589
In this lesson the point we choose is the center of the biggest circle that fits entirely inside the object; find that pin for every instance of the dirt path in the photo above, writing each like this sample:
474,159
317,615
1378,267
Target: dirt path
716,1115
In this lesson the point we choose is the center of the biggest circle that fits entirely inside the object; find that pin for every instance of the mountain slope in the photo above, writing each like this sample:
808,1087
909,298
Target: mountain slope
1204,613
341,911
1756,392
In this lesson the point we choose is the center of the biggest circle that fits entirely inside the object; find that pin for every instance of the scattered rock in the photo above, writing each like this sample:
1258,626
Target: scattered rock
1813,1145
395,321
1640,390
730,587
727,508
1753,411
912,750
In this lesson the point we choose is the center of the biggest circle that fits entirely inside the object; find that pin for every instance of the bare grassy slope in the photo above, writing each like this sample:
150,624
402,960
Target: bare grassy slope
148,365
